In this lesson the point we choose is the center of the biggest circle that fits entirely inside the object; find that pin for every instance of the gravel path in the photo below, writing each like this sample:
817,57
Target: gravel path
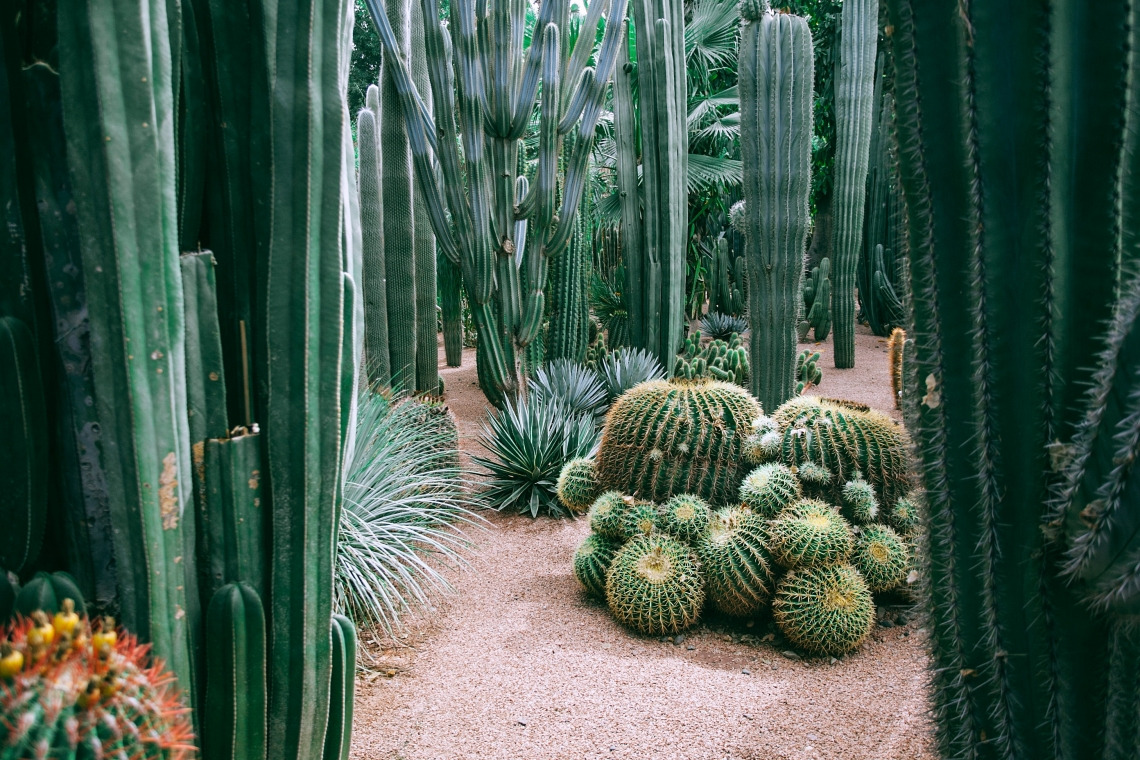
520,664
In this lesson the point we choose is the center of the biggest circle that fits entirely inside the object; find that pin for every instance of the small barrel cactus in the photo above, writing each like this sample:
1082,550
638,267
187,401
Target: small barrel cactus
859,498
667,438
769,488
809,533
684,517
655,586
607,515
69,691
881,556
640,519
578,484
46,592
824,610
736,563
592,562
905,515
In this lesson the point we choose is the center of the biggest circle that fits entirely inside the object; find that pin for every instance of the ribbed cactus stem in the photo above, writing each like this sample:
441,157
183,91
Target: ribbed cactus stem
625,135
1017,149
854,96
234,718
427,346
570,313
451,304
776,70
375,285
398,196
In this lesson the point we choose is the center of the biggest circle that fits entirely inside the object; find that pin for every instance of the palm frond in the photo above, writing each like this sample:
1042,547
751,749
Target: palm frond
710,37
707,172
704,107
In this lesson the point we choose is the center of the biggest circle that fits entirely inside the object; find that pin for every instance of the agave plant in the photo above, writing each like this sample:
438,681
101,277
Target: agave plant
626,367
578,388
530,440
722,326
404,511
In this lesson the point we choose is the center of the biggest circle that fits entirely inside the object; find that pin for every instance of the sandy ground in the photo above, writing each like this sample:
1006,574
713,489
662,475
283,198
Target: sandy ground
520,664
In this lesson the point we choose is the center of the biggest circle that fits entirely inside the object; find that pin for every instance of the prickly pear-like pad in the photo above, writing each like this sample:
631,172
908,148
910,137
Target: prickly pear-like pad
578,484
607,514
664,438
640,520
847,438
592,561
859,498
735,561
654,585
904,515
881,556
684,517
769,488
809,533
824,610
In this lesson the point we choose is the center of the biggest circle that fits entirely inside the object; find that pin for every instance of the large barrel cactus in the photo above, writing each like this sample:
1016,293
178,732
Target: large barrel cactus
1020,152
664,438
776,70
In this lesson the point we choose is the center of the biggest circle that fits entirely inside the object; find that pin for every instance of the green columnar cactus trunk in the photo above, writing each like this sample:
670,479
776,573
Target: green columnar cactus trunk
659,271
205,375
854,93
115,72
305,292
398,193
471,197
1017,140
570,308
625,135
338,738
79,467
24,469
427,346
231,522
374,287
776,73
233,724
451,303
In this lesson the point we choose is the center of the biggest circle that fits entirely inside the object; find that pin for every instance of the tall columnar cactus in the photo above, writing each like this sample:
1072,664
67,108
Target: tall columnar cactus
116,77
776,74
854,95
654,244
683,436
427,351
570,307
1019,159
233,725
451,304
338,736
374,287
466,204
24,466
231,517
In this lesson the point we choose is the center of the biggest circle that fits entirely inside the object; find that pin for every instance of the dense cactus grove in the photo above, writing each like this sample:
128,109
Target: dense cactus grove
242,239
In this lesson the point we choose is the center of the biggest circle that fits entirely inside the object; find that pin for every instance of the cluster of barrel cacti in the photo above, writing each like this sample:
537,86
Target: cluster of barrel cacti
69,688
657,563
816,308
198,401
725,360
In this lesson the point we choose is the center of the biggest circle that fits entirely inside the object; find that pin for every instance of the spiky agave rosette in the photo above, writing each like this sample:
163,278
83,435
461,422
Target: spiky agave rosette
67,691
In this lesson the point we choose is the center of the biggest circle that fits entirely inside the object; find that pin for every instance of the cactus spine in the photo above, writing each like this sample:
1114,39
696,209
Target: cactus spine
234,718
1014,137
466,203
854,95
24,469
374,272
776,74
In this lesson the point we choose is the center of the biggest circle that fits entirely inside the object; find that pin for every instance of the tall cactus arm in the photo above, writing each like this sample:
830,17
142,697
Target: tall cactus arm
577,100
528,90
626,138
584,45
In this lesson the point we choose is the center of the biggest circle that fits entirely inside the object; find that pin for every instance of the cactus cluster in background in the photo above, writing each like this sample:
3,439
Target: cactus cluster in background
776,79
817,303
808,373
724,360
728,278
895,349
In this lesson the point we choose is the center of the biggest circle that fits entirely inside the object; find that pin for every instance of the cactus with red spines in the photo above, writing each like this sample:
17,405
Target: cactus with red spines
70,690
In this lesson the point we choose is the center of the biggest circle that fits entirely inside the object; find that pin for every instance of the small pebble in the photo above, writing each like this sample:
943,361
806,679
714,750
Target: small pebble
886,624
746,672
813,737
834,661
747,716
790,654
678,639
690,647
522,722
901,620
